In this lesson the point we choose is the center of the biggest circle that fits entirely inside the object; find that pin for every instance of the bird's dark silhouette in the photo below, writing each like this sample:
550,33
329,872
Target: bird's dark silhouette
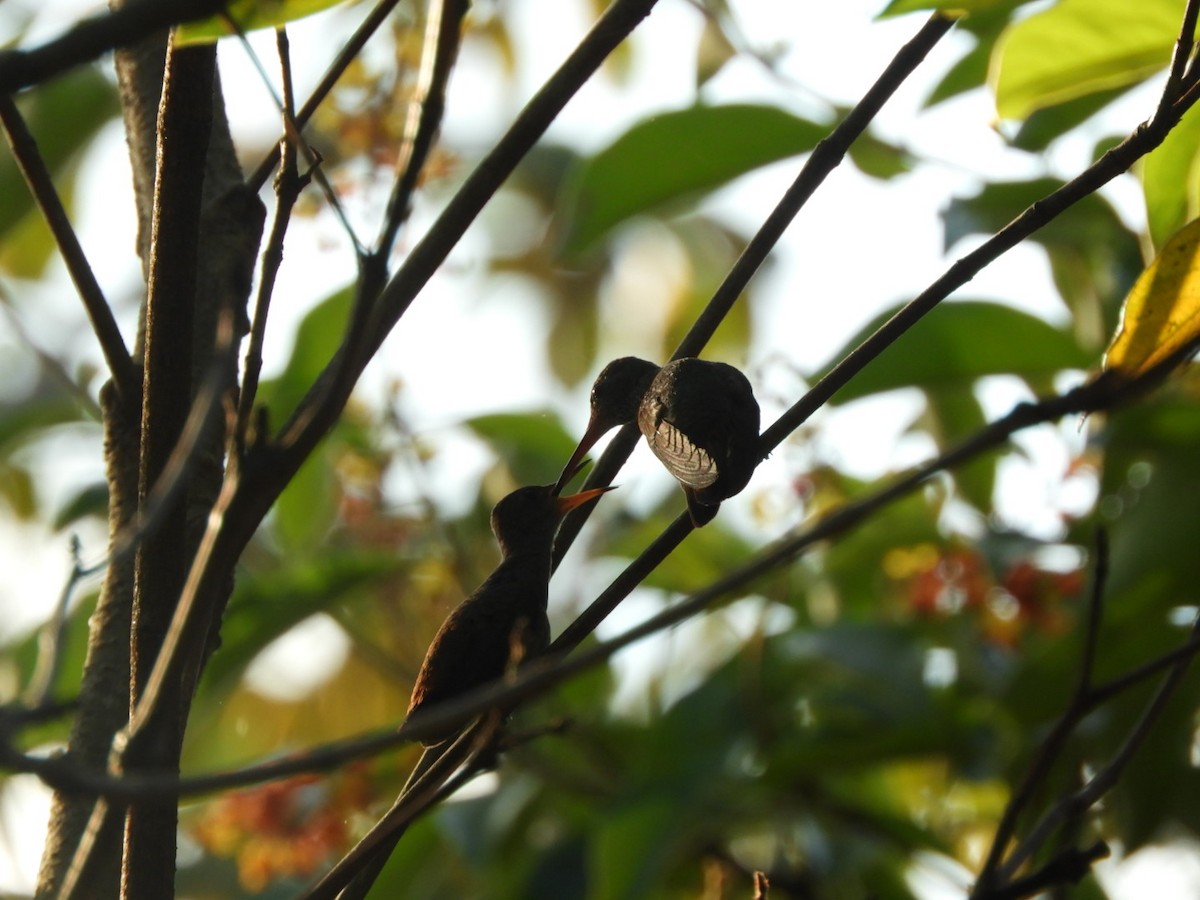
504,620
699,417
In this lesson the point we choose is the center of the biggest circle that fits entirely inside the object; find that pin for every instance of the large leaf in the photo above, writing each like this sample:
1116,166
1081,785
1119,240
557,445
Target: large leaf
674,157
1094,257
960,342
1161,315
1080,47
900,7
266,605
63,115
317,337
1171,179
534,446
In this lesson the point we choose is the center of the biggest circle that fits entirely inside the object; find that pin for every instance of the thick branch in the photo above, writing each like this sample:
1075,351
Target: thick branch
185,124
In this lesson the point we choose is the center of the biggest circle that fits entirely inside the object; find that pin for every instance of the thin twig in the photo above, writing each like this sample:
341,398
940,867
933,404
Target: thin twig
1102,782
37,175
325,400
1052,745
1185,43
443,34
288,185
349,52
1066,867
1087,665
369,854
293,131
52,638
1115,162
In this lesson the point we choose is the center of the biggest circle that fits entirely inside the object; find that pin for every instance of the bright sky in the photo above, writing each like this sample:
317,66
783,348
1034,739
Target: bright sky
835,269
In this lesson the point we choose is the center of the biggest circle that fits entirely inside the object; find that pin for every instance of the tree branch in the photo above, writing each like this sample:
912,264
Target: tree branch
93,37
126,378
185,125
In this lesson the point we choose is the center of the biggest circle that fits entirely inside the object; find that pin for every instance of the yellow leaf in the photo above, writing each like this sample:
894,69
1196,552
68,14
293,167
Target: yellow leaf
1162,312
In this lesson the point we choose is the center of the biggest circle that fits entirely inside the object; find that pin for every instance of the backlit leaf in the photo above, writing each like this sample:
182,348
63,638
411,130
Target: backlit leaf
960,342
1162,312
1079,47
673,157
1169,179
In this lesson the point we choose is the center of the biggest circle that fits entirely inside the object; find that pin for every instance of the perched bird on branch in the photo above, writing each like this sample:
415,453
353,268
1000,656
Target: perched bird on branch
504,620
700,418
502,623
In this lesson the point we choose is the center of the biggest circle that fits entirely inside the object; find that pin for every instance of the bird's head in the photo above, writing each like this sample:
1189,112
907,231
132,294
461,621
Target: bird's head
616,393
529,516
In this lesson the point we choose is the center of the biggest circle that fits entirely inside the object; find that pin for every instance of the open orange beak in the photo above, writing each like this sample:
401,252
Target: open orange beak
566,504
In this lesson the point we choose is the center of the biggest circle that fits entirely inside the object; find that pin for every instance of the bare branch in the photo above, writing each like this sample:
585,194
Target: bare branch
345,57
93,37
443,34
540,674
288,185
53,635
1185,44
41,184
185,125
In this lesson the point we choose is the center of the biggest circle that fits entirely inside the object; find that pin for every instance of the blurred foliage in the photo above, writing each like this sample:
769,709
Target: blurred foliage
865,707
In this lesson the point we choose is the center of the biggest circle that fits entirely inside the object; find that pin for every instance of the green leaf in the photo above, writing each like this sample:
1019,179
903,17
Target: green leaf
1094,257
1080,47
88,501
971,71
304,513
63,116
1043,126
265,605
706,555
317,338
880,159
249,15
1171,179
900,7
958,343
534,446
674,157
632,850
954,413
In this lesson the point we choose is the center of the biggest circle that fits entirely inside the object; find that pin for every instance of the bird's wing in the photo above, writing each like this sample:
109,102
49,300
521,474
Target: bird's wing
691,464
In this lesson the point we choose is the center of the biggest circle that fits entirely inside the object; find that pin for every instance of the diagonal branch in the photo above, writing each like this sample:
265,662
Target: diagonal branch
443,35
349,52
825,157
125,375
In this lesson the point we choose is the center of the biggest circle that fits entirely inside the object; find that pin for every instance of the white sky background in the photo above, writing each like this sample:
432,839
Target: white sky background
835,269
